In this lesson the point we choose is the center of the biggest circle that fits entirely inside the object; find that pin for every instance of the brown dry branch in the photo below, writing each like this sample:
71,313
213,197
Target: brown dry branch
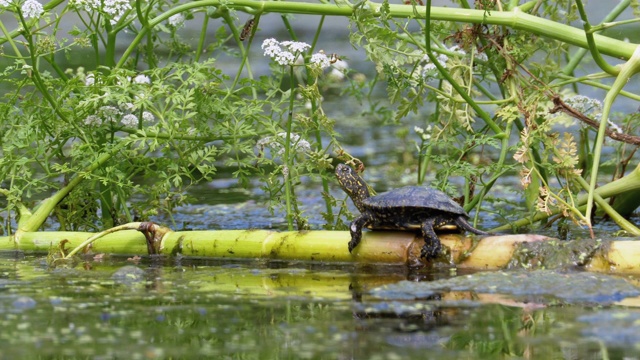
561,106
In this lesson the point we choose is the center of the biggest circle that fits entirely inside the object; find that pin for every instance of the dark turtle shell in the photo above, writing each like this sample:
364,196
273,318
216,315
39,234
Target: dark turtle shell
417,198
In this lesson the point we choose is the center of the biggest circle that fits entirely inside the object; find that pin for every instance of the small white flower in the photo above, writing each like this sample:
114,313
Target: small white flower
129,120
321,60
142,79
269,43
425,134
92,120
128,107
272,51
176,20
109,113
4,3
32,9
285,58
295,46
89,80
148,117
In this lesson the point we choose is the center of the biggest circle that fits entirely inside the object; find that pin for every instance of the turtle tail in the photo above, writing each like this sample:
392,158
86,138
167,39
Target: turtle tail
464,224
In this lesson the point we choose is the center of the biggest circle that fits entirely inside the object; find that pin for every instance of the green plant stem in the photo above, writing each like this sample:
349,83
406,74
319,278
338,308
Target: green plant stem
110,47
314,117
11,42
288,164
202,38
629,69
630,182
592,44
577,57
589,80
459,89
90,240
47,205
244,51
613,214
516,19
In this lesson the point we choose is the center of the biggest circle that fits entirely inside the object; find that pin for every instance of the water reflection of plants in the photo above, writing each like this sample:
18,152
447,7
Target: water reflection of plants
163,111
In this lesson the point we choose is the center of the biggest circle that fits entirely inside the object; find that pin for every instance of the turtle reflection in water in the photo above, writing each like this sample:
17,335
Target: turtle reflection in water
410,207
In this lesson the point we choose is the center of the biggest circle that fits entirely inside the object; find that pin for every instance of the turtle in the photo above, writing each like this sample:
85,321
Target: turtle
406,208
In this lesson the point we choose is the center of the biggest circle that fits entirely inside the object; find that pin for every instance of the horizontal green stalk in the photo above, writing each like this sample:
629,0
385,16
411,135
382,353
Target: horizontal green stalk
516,19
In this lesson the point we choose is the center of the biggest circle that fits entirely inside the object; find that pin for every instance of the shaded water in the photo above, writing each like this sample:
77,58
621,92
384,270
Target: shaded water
114,308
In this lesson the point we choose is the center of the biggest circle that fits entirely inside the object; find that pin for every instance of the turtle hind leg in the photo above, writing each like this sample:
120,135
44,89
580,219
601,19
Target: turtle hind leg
432,247
464,224
355,229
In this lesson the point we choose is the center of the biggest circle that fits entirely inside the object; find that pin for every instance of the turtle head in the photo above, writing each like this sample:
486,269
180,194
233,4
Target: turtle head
352,184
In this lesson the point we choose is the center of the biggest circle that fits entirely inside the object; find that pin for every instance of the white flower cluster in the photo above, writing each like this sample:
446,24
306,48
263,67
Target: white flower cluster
32,9
585,105
274,49
300,145
321,60
592,108
425,134
142,79
287,52
114,8
176,20
4,3
111,114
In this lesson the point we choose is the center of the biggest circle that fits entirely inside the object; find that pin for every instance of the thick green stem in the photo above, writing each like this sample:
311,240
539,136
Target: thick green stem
619,219
629,69
516,19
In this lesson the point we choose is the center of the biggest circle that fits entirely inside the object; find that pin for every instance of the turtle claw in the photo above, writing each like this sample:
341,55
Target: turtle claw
352,245
430,251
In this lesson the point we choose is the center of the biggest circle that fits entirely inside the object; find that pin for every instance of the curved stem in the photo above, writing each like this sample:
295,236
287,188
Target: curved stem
592,45
577,57
629,69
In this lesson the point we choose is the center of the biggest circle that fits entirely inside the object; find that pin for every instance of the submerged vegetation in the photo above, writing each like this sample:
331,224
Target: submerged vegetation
484,92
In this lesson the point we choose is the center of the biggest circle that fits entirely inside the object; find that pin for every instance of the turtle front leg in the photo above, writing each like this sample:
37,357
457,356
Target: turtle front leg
356,230
432,246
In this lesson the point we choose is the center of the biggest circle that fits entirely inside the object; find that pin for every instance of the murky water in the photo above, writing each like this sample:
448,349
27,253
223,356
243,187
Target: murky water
114,308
